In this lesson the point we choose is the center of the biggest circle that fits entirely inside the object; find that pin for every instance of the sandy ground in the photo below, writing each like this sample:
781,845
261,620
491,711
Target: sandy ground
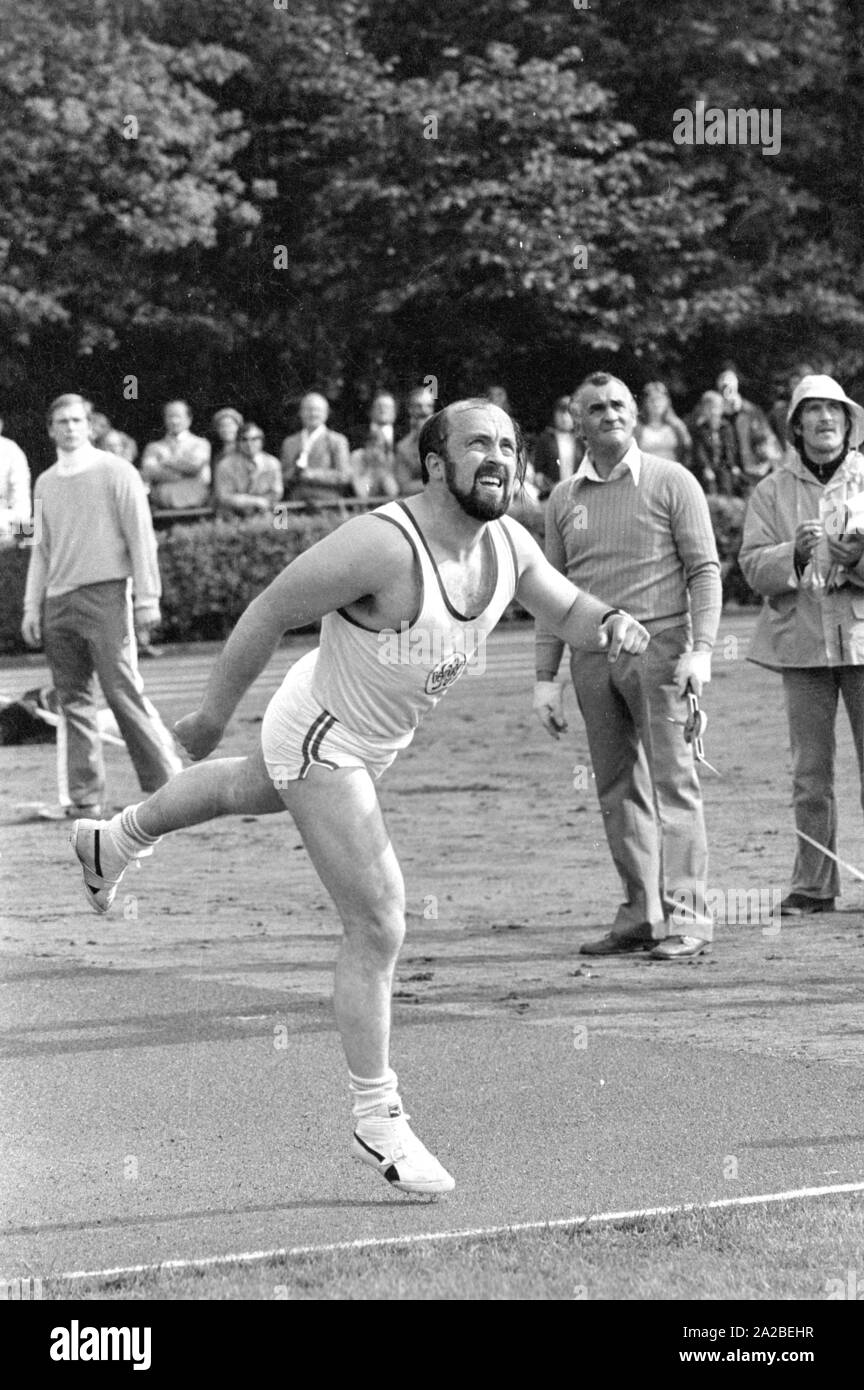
506,868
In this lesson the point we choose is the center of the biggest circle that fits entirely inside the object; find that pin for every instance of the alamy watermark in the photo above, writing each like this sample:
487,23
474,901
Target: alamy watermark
849,1288
77,1343
729,906
23,1290
419,646
736,126
27,531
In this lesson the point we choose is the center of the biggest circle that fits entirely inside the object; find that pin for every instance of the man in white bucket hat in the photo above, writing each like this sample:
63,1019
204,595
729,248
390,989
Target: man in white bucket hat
803,550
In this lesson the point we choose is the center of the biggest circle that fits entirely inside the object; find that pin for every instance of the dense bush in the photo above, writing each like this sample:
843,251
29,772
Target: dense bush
212,570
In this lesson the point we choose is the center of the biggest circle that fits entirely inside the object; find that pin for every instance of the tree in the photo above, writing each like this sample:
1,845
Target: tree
463,191
115,176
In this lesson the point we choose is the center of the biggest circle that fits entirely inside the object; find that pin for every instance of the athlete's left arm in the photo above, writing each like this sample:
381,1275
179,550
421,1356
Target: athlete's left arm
574,615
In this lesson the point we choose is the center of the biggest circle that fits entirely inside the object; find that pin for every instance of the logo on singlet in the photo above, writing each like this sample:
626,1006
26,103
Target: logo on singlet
423,646
445,673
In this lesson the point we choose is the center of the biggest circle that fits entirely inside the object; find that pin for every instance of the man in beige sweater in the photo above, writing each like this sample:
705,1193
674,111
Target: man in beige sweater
636,529
95,537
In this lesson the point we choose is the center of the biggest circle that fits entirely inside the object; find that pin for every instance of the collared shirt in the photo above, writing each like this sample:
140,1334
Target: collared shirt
632,460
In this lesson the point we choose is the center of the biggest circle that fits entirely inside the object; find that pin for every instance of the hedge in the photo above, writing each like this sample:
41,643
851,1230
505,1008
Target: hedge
211,570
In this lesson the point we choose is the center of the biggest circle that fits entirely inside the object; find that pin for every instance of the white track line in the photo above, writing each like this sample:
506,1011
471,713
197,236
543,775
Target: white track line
480,1232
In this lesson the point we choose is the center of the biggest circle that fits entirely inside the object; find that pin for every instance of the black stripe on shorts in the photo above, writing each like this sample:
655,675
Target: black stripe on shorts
317,732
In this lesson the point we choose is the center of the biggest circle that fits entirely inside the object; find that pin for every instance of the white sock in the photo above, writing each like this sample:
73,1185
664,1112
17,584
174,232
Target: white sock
128,837
377,1096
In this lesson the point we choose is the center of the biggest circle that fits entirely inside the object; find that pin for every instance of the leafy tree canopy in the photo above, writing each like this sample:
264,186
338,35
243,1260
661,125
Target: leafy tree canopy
244,200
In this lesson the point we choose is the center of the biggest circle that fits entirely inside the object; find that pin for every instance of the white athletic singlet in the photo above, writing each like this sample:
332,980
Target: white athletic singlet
380,684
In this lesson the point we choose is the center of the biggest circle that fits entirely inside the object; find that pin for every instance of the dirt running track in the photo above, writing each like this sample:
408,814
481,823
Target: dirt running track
159,1033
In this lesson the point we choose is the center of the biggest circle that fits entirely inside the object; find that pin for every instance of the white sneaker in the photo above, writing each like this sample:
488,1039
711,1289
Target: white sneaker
102,863
387,1142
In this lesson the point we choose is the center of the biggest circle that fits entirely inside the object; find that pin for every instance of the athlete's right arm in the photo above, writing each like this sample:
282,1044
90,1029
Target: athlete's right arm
356,560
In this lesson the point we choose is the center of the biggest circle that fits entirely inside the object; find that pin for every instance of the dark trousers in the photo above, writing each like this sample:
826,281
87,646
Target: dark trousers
89,632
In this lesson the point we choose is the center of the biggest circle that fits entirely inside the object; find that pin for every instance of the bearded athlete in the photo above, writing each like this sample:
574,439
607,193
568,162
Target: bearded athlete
440,567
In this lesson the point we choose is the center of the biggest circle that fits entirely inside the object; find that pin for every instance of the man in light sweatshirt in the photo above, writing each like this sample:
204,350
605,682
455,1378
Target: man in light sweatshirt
96,537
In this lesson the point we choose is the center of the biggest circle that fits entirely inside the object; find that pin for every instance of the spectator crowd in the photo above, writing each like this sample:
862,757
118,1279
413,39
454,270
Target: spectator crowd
728,443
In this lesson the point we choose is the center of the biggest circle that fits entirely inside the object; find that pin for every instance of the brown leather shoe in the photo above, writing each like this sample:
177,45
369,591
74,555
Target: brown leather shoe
680,948
614,945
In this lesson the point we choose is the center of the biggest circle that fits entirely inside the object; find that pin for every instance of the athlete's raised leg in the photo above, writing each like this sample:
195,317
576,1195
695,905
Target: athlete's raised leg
205,791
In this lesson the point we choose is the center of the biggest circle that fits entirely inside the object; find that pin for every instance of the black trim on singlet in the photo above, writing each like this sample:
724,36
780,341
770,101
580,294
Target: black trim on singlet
462,617
343,613
315,734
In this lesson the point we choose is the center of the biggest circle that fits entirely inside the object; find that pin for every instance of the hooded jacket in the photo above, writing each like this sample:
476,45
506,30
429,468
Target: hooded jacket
804,622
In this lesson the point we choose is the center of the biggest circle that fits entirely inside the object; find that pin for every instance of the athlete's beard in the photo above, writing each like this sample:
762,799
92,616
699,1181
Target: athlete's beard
475,503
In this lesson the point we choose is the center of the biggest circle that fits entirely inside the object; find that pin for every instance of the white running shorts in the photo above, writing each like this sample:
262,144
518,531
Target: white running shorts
297,733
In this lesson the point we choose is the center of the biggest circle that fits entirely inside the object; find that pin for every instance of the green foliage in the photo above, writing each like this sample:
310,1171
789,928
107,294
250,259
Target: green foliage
478,190
116,171
780,275
431,171
213,570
